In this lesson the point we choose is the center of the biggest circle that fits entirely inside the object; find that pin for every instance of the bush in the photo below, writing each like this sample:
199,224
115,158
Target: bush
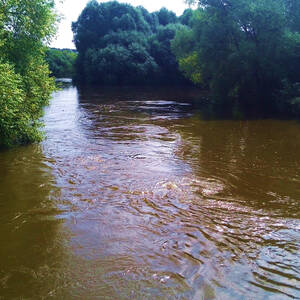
25,86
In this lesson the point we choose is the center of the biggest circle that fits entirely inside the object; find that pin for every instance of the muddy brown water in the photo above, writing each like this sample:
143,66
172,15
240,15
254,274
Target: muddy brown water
134,196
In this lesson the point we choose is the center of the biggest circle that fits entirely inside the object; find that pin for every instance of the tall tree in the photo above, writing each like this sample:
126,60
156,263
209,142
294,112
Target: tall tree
166,16
242,49
25,86
121,44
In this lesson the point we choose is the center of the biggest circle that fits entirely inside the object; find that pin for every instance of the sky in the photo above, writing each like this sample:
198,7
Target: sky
71,9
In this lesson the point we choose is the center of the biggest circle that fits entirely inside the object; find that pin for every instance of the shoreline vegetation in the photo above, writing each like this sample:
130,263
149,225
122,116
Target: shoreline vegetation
246,53
25,84
61,62
119,44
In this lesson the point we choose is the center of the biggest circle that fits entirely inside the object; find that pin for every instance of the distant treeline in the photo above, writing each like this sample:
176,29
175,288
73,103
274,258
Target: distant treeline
61,62
246,52
121,44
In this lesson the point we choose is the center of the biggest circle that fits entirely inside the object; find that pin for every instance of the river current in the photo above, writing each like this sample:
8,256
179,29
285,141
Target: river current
135,195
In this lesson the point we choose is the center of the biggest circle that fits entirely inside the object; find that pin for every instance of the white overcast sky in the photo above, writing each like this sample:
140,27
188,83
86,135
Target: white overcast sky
71,9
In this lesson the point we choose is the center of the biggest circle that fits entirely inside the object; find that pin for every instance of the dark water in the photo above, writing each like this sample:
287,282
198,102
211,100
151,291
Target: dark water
134,196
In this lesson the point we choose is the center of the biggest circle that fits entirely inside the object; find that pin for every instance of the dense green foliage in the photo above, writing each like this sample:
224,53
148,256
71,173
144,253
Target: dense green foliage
25,86
245,51
120,44
61,62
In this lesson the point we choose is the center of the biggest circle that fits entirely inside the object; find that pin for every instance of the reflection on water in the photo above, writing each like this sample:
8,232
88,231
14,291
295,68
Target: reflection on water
134,196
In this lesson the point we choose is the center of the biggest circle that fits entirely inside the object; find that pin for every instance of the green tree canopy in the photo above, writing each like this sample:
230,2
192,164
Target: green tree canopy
61,62
120,44
242,49
166,17
25,86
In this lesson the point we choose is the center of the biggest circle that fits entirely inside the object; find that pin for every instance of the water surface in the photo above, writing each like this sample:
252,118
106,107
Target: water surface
134,196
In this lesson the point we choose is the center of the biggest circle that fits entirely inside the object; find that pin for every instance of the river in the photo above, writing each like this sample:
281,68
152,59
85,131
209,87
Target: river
135,195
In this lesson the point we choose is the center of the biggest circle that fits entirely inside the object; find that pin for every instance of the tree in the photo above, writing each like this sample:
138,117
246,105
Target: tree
160,49
242,49
25,86
120,44
166,17
186,17
61,62
98,20
116,64
150,18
